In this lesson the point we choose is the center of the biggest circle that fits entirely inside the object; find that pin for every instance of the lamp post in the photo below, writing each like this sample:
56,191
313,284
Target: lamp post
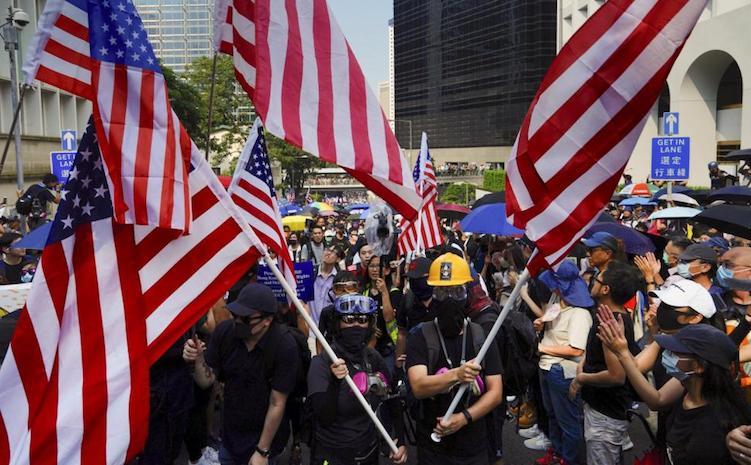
16,20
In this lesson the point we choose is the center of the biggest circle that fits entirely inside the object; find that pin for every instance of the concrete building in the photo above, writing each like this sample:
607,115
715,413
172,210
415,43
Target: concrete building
708,85
45,111
179,30
466,72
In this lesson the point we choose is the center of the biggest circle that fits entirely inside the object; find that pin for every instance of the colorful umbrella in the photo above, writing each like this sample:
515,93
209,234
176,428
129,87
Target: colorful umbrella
321,206
489,219
674,213
634,201
639,189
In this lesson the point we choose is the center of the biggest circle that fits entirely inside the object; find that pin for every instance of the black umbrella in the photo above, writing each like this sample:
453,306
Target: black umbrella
731,219
493,197
734,194
606,217
739,155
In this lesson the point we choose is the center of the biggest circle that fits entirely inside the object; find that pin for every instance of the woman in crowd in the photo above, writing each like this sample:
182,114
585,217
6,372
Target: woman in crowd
705,401
343,432
377,288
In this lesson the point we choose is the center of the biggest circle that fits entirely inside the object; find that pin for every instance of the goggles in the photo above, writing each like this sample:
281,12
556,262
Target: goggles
347,286
355,304
450,292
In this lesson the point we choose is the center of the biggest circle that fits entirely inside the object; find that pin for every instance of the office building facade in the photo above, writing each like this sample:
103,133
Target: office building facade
467,70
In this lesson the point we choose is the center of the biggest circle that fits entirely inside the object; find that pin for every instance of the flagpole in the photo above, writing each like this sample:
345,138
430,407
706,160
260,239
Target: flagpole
211,107
523,278
12,129
329,351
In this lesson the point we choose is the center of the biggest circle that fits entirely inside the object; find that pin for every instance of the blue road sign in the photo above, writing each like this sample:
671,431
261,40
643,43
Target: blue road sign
671,123
61,163
670,158
69,140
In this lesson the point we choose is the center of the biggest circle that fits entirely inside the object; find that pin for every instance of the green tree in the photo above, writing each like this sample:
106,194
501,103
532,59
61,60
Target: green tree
297,165
461,193
185,100
494,180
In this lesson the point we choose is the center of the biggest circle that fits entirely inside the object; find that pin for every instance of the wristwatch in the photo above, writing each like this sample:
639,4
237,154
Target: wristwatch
263,452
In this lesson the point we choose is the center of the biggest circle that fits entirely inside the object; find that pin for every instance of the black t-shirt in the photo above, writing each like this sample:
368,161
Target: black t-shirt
41,193
246,388
12,272
414,314
695,437
352,427
612,401
471,439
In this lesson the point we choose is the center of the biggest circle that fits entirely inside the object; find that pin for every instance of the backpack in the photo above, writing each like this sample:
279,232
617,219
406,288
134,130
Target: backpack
519,350
301,340
24,204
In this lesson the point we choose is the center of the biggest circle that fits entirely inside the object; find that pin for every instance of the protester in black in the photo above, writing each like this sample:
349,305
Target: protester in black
255,428
604,391
34,201
463,435
343,432
14,259
705,401
377,288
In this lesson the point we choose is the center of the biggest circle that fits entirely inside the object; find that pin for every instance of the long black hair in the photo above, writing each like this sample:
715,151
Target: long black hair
722,392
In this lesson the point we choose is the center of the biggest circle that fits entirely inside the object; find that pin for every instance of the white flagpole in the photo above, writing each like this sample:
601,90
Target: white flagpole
329,351
422,161
523,278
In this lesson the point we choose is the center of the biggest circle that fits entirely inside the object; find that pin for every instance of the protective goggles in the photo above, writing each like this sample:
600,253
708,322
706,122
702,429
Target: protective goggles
346,286
449,292
355,304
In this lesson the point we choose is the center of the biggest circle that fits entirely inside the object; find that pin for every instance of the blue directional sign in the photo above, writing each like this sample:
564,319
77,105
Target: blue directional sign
61,163
670,158
69,140
671,123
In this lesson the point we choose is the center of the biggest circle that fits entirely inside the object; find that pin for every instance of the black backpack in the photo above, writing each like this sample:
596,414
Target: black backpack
24,203
518,351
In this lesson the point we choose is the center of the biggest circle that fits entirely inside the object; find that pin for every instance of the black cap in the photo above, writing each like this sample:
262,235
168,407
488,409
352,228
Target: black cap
704,341
418,268
254,298
703,252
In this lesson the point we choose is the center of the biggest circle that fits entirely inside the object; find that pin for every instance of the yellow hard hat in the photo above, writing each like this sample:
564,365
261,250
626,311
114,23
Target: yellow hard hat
449,270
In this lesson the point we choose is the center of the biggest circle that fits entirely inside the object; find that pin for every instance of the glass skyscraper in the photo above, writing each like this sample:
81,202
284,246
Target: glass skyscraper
179,30
467,70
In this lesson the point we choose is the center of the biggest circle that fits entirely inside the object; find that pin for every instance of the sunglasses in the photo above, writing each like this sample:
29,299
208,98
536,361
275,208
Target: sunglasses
352,319
454,292
347,286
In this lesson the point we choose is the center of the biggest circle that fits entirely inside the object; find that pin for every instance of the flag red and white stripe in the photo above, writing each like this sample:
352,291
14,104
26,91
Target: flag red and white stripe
587,116
424,232
106,302
294,62
145,148
252,190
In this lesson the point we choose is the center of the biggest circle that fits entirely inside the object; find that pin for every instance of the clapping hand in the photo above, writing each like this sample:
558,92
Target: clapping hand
611,330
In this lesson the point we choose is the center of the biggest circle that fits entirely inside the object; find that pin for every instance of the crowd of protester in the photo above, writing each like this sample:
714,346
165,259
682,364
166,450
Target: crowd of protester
585,349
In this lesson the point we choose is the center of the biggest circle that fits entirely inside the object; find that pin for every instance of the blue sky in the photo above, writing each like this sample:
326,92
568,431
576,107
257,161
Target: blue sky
365,24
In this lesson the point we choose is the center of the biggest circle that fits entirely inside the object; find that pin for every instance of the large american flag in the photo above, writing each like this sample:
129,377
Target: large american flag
587,117
99,50
107,300
295,64
252,190
424,232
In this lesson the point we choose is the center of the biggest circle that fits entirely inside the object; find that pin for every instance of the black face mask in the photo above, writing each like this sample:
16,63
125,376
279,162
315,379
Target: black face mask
421,289
353,339
450,314
667,318
244,327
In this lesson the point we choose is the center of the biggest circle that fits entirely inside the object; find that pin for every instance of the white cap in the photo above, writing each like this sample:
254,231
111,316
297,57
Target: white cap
685,293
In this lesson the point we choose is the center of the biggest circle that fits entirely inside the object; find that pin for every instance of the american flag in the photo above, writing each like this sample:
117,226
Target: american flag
587,117
100,51
425,232
295,64
107,300
252,190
